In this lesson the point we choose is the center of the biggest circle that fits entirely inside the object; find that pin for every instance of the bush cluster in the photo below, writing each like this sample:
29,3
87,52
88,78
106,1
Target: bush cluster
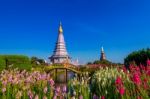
137,58
15,61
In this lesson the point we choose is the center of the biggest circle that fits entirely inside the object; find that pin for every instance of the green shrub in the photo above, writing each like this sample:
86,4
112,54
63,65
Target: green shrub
2,63
15,61
103,82
106,62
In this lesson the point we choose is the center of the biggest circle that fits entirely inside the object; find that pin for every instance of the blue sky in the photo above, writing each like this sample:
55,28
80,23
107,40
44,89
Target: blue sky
30,27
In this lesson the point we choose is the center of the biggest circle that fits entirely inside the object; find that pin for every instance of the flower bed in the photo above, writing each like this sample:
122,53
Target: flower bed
116,83
17,84
107,83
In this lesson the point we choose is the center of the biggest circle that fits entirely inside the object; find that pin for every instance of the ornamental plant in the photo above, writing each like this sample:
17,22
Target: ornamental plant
80,88
120,83
107,82
15,84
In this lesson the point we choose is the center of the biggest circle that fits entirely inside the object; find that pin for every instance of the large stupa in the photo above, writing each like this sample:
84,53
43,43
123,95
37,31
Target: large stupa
60,54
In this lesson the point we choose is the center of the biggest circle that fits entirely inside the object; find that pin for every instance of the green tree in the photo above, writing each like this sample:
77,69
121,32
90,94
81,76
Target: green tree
35,61
137,57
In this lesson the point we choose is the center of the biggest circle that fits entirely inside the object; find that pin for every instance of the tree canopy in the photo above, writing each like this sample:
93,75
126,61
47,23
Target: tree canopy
137,57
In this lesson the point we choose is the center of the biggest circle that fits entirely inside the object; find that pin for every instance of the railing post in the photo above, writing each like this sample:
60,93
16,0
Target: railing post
55,75
66,76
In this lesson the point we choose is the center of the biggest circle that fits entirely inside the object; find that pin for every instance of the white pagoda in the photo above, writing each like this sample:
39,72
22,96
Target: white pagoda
60,54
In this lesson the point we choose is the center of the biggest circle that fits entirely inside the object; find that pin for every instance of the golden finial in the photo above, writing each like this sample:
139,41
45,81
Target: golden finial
60,28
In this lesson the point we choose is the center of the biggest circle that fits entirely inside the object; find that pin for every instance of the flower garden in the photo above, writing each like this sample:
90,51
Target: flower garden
105,83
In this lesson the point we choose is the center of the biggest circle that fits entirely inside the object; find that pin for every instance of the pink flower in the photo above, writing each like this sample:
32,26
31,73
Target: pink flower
103,97
148,62
36,97
43,76
30,94
95,97
51,82
45,90
121,91
139,97
136,79
44,97
80,97
30,97
4,90
57,91
4,82
118,81
124,69
119,85
55,97
10,79
64,89
145,84
148,72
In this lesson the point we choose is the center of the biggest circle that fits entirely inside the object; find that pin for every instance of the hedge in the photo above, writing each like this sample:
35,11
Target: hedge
15,61
2,63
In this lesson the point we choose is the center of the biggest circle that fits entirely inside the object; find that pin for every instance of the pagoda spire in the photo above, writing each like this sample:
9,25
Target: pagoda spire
60,29
102,49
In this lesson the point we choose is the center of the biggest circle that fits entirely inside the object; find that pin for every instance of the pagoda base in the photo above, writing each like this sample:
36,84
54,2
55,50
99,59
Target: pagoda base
59,60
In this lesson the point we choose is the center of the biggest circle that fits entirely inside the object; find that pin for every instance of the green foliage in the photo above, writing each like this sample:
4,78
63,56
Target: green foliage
80,87
103,82
103,62
137,57
37,62
106,62
2,63
33,59
15,61
89,63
